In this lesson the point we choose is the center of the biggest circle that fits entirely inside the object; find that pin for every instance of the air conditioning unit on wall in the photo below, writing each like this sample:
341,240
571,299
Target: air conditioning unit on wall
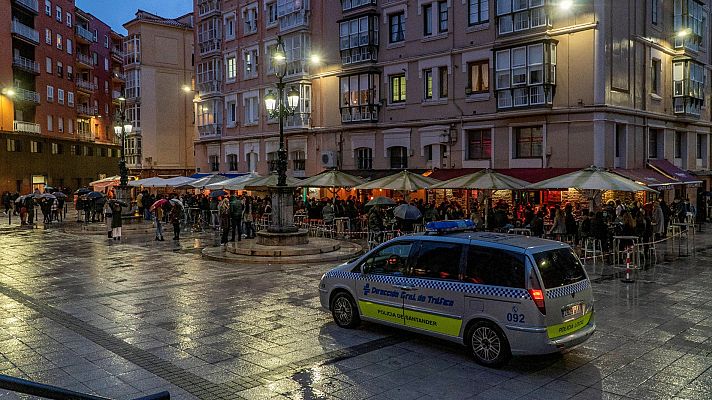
328,159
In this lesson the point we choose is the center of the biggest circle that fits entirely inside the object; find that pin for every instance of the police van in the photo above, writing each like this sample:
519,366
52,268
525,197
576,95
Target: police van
498,294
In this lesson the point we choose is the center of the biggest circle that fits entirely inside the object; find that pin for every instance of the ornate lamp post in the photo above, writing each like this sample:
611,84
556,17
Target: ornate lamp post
282,201
122,128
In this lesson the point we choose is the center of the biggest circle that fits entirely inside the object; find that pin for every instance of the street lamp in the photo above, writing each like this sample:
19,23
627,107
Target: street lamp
122,128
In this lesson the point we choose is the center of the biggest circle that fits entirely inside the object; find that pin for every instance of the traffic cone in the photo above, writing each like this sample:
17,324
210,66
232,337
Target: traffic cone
628,271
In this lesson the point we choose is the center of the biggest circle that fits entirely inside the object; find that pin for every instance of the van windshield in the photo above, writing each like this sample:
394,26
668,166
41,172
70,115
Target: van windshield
559,267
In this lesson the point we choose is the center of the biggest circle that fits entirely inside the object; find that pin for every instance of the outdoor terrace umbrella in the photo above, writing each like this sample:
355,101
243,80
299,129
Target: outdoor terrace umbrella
404,181
178,181
332,180
267,182
148,182
592,181
204,181
233,183
485,180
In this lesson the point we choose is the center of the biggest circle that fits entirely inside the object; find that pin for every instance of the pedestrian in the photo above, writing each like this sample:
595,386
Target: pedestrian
116,222
108,217
158,217
658,220
559,226
224,213
248,218
139,204
236,209
175,216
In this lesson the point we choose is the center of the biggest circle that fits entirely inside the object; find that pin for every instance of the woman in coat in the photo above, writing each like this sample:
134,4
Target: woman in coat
559,227
658,220
116,221
248,219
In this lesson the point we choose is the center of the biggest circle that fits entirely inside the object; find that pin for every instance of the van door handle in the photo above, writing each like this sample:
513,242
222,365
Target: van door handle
405,287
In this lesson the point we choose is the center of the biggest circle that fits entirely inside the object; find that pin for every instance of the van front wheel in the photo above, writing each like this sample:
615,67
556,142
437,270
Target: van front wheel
488,344
344,311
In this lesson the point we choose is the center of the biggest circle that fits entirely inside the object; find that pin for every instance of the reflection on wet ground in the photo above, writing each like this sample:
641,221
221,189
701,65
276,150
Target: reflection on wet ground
136,317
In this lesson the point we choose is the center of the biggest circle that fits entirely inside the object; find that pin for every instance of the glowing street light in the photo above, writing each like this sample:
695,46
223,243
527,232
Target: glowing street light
565,5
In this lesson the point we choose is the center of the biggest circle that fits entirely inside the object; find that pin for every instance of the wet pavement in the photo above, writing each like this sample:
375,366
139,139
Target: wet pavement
128,319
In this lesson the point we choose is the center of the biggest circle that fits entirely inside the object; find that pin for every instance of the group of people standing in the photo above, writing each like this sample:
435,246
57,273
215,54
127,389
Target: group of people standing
233,212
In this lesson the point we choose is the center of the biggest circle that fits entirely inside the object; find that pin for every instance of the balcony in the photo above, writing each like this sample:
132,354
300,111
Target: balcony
29,5
25,127
293,15
84,60
210,88
115,94
117,54
207,8
26,96
84,35
210,131
367,113
26,65
298,120
210,46
118,77
297,67
85,135
86,111
24,32
86,86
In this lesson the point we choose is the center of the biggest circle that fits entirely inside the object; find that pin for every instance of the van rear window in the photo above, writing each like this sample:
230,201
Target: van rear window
559,267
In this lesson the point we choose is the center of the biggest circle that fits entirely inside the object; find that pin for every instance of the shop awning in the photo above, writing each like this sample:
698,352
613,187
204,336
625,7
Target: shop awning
668,169
648,177
531,175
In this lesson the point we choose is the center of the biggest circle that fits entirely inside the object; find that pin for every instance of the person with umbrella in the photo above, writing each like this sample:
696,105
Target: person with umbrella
375,222
247,216
116,222
157,208
108,213
406,215
175,215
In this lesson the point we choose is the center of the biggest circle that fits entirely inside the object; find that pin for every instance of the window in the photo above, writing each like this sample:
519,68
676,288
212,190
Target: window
60,41
35,146
272,161
252,111
477,11
249,16
655,76
398,88
397,27
70,98
392,260
60,96
399,157
69,46
360,97
519,15
60,69
48,8
132,49
250,58
231,113
48,65
49,123
68,16
48,36
70,129
528,142
358,39
231,68
232,162
70,72
364,158
525,75
678,144
559,268
350,4
57,148
700,146
60,124
442,16
478,77
479,144
443,81
689,17
653,143
654,11
271,13
59,14
299,160
438,260
230,27
428,19
428,84
14,145
50,93
487,266
688,87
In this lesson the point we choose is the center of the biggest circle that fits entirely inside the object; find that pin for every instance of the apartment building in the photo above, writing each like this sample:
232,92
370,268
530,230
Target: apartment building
452,86
56,109
158,57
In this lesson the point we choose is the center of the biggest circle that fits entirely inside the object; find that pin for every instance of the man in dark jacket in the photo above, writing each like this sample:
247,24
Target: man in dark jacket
236,217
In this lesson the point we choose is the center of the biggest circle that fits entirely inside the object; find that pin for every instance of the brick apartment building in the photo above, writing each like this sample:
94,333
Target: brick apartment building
58,82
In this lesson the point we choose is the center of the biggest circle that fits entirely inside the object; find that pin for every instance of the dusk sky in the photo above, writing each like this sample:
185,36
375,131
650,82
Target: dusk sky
117,12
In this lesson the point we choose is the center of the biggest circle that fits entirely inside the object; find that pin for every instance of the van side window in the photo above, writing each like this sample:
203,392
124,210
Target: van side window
392,260
439,260
494,267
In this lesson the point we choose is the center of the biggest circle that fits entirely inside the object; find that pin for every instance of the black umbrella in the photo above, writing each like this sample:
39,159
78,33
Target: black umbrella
381,201
407,212
59,195
47,196
82,191
218,193
119,202
49,189
93,195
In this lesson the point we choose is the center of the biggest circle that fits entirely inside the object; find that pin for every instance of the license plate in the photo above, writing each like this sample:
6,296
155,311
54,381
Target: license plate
572,310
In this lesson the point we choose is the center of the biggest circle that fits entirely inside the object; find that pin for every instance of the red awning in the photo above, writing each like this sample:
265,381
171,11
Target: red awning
648,177
667,168
531,175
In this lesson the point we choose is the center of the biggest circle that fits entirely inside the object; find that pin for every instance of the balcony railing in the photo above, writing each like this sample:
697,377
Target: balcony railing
85,59
299,19
85,34
118,76
210,131
25,31
86,85
26,127
298,120
207,7
85,135
297,67
29,4
86,110
117,53
212,87
26,95
26,64
209,46
360,114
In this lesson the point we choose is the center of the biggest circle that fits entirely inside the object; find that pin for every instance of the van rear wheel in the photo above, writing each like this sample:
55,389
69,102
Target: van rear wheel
488,344
344,311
